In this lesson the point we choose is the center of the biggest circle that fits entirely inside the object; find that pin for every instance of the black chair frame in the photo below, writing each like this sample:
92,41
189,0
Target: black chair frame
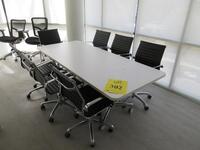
68,89
121,45
149,54
40,73
34,40
101,39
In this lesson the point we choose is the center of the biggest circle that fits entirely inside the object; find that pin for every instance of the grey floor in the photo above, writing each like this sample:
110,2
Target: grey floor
172,123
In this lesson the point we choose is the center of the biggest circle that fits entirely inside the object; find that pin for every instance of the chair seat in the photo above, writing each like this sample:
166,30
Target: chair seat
52,88
90,94
8,39
33,40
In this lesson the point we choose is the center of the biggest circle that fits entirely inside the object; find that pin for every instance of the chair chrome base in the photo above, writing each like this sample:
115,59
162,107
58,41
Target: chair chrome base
13,47
90,123
131,104
137,95
144,93
126,104
57,103
33,90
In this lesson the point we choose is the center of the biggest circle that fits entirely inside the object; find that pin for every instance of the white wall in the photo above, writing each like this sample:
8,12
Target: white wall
75,19
174,23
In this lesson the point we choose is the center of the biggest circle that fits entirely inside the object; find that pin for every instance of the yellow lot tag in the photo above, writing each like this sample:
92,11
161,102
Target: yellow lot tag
116,86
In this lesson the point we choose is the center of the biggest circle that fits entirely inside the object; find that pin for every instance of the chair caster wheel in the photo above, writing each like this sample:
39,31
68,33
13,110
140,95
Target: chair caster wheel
42,107
130,110
76,115
51,120
67,134
92,144
146,108
28,96
111,129
149,96
46,99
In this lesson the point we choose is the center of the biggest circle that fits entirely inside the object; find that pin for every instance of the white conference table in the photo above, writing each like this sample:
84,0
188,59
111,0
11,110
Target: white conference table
96,66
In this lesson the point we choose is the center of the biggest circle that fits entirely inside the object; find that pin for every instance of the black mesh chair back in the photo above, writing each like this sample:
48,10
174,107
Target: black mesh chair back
49,37
149,53
39,24
16,33
18,27
121,44
101,39
68,89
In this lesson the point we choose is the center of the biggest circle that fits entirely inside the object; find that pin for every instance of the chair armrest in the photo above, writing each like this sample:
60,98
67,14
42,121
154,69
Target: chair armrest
44,62
31,71
67,73
26,32
2,32
48,82
20,34
92,103
158,67
35,53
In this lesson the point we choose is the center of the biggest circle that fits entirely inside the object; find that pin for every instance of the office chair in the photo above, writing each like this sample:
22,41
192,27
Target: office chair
149,54
38,24
121,45
101,39
59,101
40,73
49,37
52,37
87,102
16,35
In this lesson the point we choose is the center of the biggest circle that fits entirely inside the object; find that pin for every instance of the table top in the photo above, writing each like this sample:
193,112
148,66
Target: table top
96,66
23,46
